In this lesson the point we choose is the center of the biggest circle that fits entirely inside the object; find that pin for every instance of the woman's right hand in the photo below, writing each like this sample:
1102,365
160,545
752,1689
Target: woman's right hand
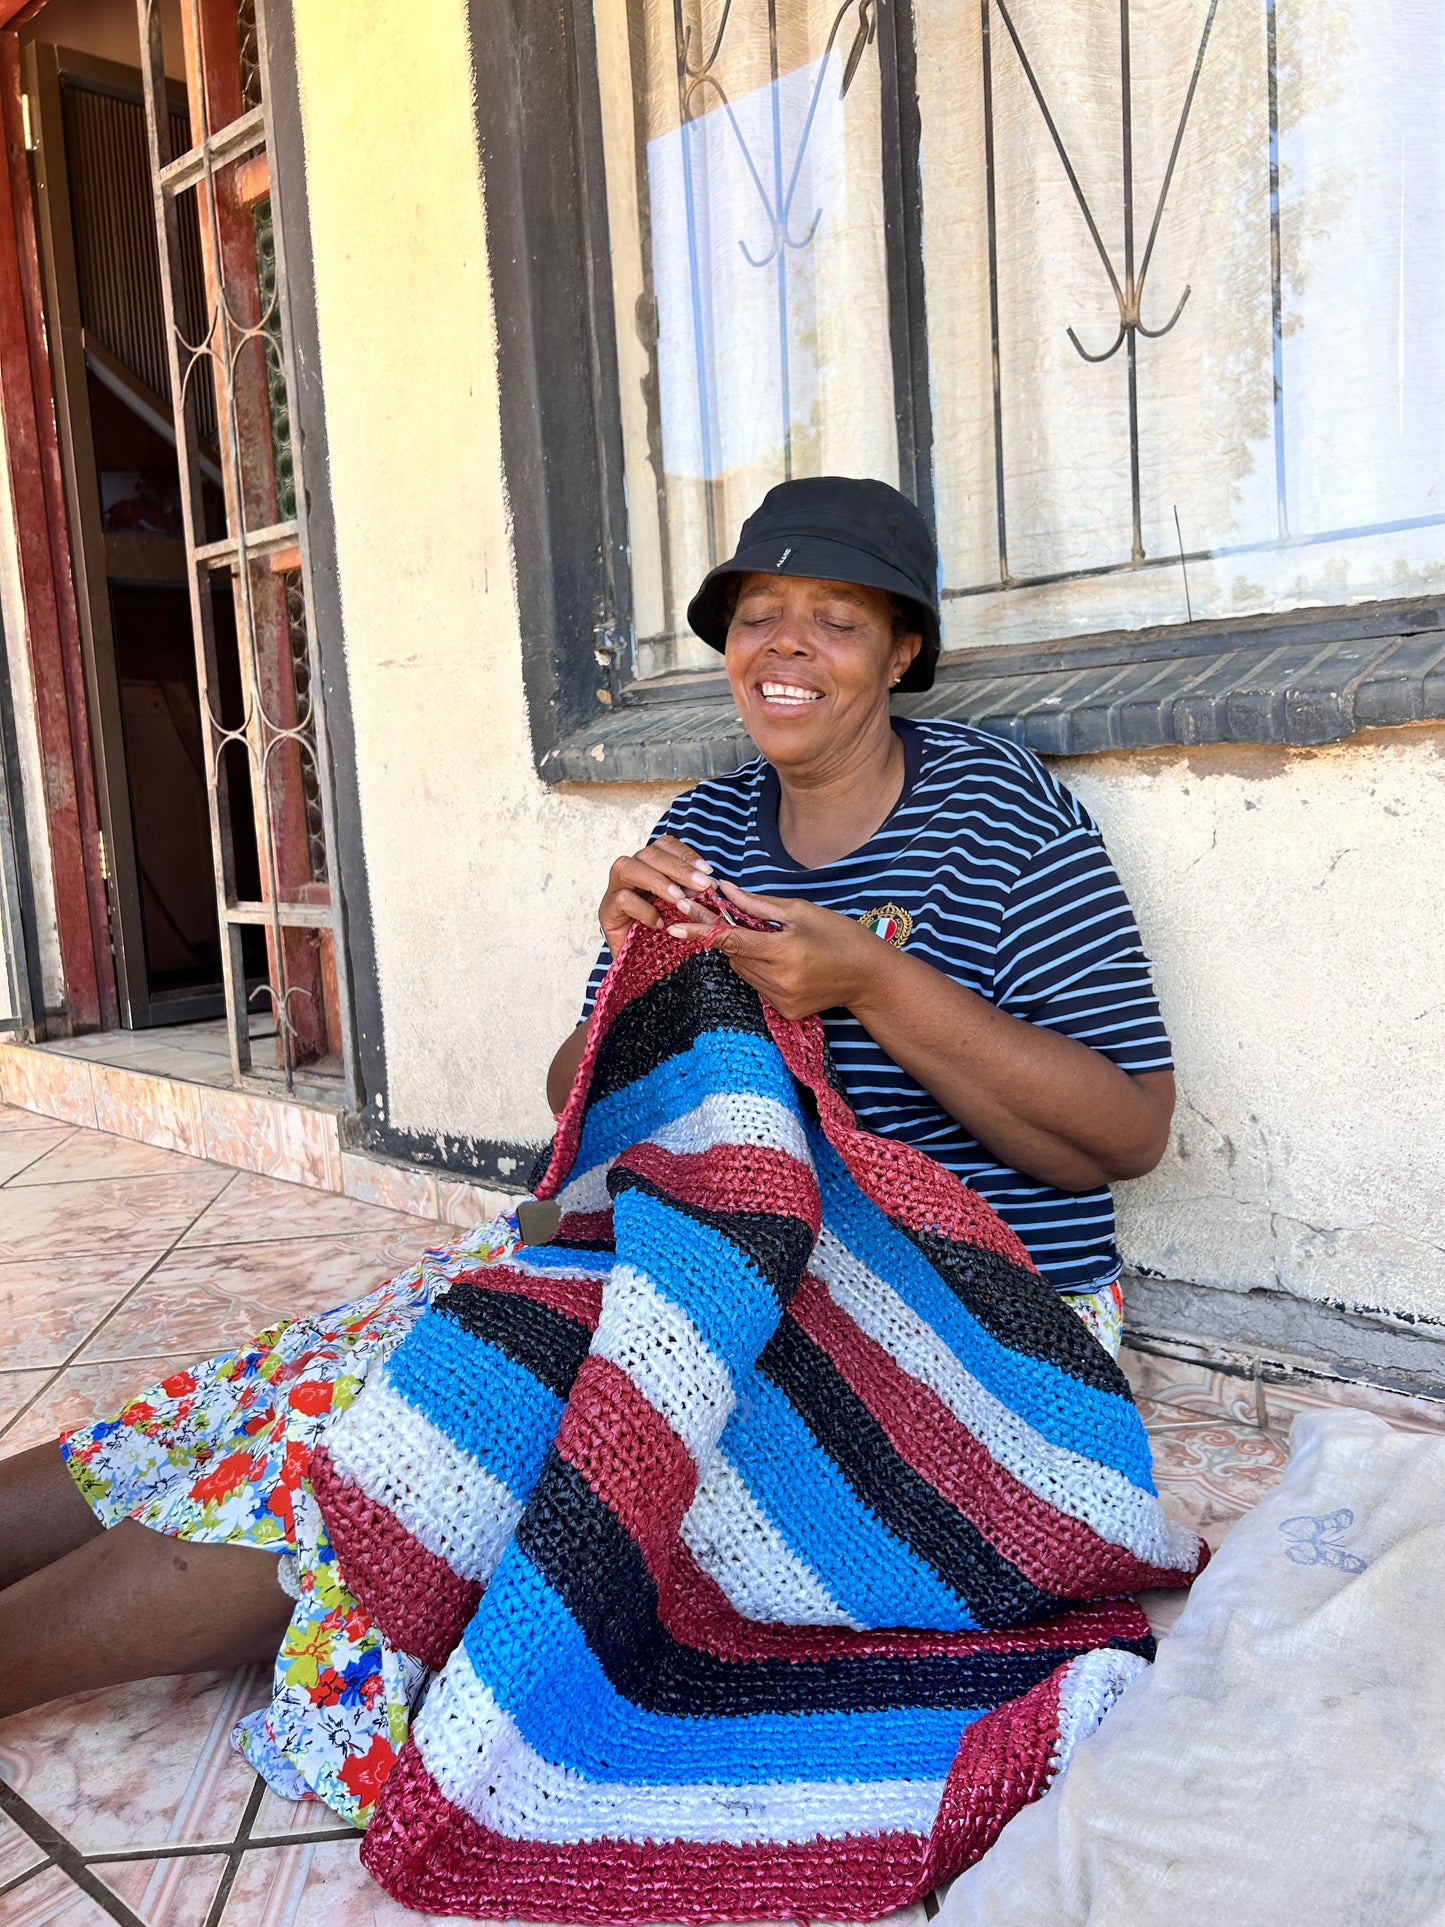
667,869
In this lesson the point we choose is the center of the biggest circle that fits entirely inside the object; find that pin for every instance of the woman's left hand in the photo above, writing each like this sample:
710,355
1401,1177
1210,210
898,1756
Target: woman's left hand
815,960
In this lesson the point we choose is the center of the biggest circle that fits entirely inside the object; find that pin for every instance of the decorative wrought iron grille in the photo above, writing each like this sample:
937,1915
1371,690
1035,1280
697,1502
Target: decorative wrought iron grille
229,348
1195,170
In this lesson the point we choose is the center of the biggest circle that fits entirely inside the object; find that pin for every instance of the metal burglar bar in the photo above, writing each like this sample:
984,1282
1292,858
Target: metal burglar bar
1127,277
266,763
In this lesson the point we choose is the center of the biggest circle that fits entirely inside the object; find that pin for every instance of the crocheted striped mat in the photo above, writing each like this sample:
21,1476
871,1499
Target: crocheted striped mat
656,1497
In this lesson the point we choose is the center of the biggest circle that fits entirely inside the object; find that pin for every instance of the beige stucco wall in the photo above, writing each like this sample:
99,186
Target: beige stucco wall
1291,900
1294,903
480,879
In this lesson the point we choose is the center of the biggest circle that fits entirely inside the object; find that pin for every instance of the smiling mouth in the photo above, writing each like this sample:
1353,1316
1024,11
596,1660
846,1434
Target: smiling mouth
790,695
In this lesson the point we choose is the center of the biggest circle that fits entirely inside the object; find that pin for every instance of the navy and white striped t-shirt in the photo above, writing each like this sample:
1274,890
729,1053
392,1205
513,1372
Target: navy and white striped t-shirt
1012,894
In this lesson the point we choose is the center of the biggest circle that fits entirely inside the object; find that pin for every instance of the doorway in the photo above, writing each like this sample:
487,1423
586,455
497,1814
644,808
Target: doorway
96,227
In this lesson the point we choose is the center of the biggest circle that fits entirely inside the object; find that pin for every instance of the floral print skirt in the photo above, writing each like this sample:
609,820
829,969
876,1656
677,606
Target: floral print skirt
220,1454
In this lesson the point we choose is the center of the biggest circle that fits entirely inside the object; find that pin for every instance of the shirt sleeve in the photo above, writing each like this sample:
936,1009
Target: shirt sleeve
664,826
1070,958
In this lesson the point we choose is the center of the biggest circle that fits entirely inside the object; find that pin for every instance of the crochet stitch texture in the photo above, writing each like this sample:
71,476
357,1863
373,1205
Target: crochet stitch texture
657,1497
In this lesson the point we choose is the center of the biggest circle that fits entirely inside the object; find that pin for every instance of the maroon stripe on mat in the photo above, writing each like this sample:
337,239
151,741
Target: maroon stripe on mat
1002,1763
731,1177
432,1856
694,1609
1050,1548
579,1298
414,1597
590,1229
629,1455
904,1183
649,957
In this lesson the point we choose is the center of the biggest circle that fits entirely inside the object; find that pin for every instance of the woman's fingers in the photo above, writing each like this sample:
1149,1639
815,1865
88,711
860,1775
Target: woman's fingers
668,869
768,909
677,862
628,906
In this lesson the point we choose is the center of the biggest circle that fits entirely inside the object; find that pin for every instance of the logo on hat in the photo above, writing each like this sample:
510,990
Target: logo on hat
888,921
783,557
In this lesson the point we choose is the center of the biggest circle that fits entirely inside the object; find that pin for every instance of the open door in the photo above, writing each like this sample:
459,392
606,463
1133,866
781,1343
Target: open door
109,355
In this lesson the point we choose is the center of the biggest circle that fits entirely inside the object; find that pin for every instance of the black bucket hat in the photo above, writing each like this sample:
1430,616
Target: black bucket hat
839,529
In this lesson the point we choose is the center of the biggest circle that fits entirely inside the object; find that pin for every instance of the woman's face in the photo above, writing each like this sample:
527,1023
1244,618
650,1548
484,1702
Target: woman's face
811,664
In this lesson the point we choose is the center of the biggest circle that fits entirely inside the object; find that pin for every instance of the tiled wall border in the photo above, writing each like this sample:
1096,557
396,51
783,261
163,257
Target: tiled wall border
300,1143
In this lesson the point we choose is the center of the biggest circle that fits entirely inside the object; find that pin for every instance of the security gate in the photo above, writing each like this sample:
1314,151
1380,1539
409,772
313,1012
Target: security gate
231,377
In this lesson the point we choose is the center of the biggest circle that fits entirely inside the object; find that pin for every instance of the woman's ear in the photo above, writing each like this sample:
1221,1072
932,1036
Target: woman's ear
905,648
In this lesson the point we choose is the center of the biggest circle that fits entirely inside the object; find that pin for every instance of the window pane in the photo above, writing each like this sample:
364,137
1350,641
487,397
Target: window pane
745,200
1290,412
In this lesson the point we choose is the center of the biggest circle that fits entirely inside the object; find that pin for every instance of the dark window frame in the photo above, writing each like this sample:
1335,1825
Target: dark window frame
1305,676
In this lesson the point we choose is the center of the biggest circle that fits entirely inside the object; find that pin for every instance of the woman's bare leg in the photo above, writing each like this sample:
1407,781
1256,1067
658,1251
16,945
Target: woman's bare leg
123,1604
42,1515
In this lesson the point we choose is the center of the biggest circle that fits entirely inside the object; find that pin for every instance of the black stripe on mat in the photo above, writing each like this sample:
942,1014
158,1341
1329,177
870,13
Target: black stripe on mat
995,1592
590,1561
1020,1309
542,1340
703,994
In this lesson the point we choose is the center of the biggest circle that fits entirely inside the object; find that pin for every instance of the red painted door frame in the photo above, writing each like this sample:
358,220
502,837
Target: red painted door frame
42,532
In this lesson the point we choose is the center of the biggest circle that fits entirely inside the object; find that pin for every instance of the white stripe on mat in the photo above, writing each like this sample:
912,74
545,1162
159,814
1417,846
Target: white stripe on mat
446,1499
482,1763
745,1555
654,1341
726,1117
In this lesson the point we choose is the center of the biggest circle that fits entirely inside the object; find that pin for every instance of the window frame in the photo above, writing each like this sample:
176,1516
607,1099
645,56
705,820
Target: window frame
539,128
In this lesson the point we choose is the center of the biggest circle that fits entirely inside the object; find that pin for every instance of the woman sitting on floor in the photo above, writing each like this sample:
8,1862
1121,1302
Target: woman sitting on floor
944,903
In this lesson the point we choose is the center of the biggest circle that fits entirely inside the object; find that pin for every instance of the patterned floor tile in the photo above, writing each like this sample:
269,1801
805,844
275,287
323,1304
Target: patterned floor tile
17,1389
142,1766
175,1892
47,1309
88,1216
51,1897
292,1819
210,1297
256,1209
310,1886
14,1118
1210,1471
83,1155
18,1853
79,1394
22,1152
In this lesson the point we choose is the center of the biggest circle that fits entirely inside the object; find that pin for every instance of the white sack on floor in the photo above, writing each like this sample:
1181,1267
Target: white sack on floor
1282,1764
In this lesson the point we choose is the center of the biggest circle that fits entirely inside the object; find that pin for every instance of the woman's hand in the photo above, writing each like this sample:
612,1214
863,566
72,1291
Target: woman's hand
815,960
667,869
1040,1101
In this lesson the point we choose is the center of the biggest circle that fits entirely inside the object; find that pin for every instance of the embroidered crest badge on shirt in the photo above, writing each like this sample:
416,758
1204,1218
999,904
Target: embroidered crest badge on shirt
889,922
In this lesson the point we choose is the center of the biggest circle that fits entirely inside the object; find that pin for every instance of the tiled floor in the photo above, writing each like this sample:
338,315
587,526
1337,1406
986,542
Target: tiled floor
118,1262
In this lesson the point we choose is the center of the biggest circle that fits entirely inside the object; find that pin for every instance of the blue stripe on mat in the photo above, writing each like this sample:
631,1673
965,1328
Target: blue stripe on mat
875,1577
721,1062
482,1400
529,1650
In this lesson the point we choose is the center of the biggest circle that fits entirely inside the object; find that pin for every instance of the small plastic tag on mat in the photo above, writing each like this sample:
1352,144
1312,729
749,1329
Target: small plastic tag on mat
537,1220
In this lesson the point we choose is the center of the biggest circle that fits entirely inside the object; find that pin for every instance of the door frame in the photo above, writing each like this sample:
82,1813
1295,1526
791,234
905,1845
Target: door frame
87,986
